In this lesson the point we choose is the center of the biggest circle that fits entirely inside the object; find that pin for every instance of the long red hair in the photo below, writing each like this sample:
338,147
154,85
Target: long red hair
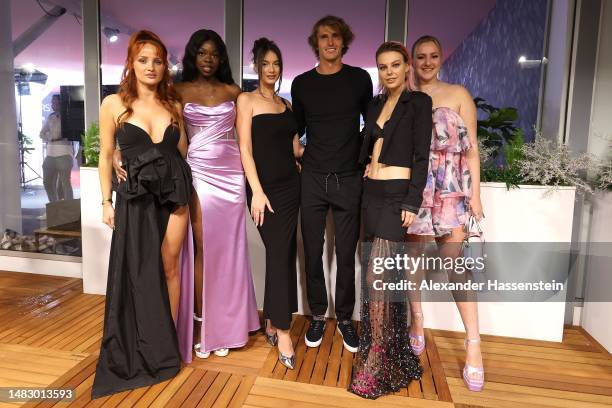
128,92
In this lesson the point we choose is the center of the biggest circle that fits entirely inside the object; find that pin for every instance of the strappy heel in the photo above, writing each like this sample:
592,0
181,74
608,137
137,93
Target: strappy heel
419,347
473,384
197,346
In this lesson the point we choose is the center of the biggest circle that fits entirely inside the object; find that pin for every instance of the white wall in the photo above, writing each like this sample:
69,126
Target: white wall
597,315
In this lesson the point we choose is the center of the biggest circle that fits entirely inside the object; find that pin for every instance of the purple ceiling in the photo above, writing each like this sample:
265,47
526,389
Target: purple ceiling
173,21
286,22
290,23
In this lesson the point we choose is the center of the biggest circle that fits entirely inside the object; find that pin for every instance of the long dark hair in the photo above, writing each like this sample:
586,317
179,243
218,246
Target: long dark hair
261,46
190,70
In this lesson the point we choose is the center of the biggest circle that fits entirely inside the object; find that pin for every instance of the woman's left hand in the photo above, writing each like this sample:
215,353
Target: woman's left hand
476,208
407,218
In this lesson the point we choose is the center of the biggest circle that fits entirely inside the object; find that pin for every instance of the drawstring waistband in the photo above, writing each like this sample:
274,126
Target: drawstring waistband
337,181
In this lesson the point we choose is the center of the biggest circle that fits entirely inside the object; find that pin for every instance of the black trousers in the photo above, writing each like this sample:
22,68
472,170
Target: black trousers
341,192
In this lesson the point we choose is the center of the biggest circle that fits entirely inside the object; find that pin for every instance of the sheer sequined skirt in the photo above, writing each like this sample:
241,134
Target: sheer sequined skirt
384,362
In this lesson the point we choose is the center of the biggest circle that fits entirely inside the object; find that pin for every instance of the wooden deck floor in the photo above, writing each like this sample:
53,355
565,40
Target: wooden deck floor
50,333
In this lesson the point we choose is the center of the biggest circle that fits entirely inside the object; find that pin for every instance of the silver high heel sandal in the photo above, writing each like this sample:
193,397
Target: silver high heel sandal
287,361
272,339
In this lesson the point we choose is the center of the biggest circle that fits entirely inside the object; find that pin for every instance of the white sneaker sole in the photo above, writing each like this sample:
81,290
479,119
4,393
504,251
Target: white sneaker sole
346,346
314,343
221,352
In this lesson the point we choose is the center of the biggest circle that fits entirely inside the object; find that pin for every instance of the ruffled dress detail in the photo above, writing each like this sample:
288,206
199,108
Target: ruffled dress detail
139,342
449,184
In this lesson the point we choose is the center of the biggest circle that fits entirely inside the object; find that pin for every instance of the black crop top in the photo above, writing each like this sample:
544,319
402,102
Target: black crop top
407,137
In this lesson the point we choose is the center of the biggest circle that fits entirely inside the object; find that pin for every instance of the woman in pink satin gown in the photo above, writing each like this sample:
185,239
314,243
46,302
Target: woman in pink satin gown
217,256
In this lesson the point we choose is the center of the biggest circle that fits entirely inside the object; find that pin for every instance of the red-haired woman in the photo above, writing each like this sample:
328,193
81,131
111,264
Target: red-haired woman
149,221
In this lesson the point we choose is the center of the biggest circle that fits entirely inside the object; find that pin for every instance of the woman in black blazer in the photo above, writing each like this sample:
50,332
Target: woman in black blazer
396,152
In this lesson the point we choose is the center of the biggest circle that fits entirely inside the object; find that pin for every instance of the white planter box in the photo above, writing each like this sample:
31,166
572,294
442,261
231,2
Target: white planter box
526,214
96,235
597,314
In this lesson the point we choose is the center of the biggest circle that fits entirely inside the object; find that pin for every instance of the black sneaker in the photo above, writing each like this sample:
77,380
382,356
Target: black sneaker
314,335
349,337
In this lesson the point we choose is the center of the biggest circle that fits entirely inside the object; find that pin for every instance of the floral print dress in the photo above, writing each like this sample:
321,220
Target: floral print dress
449,185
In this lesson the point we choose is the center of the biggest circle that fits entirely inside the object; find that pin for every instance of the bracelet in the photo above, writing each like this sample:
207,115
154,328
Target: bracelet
108,200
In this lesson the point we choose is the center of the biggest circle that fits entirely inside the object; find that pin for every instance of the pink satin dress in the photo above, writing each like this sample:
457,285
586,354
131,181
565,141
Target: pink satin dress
229,308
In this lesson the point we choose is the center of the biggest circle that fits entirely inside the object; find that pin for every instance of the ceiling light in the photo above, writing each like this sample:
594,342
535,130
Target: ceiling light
527,63
112,34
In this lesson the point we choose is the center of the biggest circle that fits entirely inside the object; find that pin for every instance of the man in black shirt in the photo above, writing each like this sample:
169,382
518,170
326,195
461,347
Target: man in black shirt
327,102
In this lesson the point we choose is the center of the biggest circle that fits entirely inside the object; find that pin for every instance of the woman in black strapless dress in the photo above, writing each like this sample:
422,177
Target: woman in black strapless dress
267,133
139,344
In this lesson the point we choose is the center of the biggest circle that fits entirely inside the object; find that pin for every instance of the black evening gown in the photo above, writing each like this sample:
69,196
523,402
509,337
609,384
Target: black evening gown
139,343
272,141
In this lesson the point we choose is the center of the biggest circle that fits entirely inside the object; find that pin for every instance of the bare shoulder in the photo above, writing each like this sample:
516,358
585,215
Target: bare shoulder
460,92
245,99
234,90
111,101
112,105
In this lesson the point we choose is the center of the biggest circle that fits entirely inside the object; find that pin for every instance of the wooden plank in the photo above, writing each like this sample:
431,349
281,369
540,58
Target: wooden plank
228,391
541,392
329,396
414,389
535,363
320,365
201,388
528,351
517,398
242,392
169,391
37,330
186,388
151,394
545,380
437,371
29,319
427,381
301,325
346,368
333,366
512,340
214,390
133,397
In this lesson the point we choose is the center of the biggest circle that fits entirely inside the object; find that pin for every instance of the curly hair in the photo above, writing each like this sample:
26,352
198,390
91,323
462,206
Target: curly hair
336,23
190,70
128,91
